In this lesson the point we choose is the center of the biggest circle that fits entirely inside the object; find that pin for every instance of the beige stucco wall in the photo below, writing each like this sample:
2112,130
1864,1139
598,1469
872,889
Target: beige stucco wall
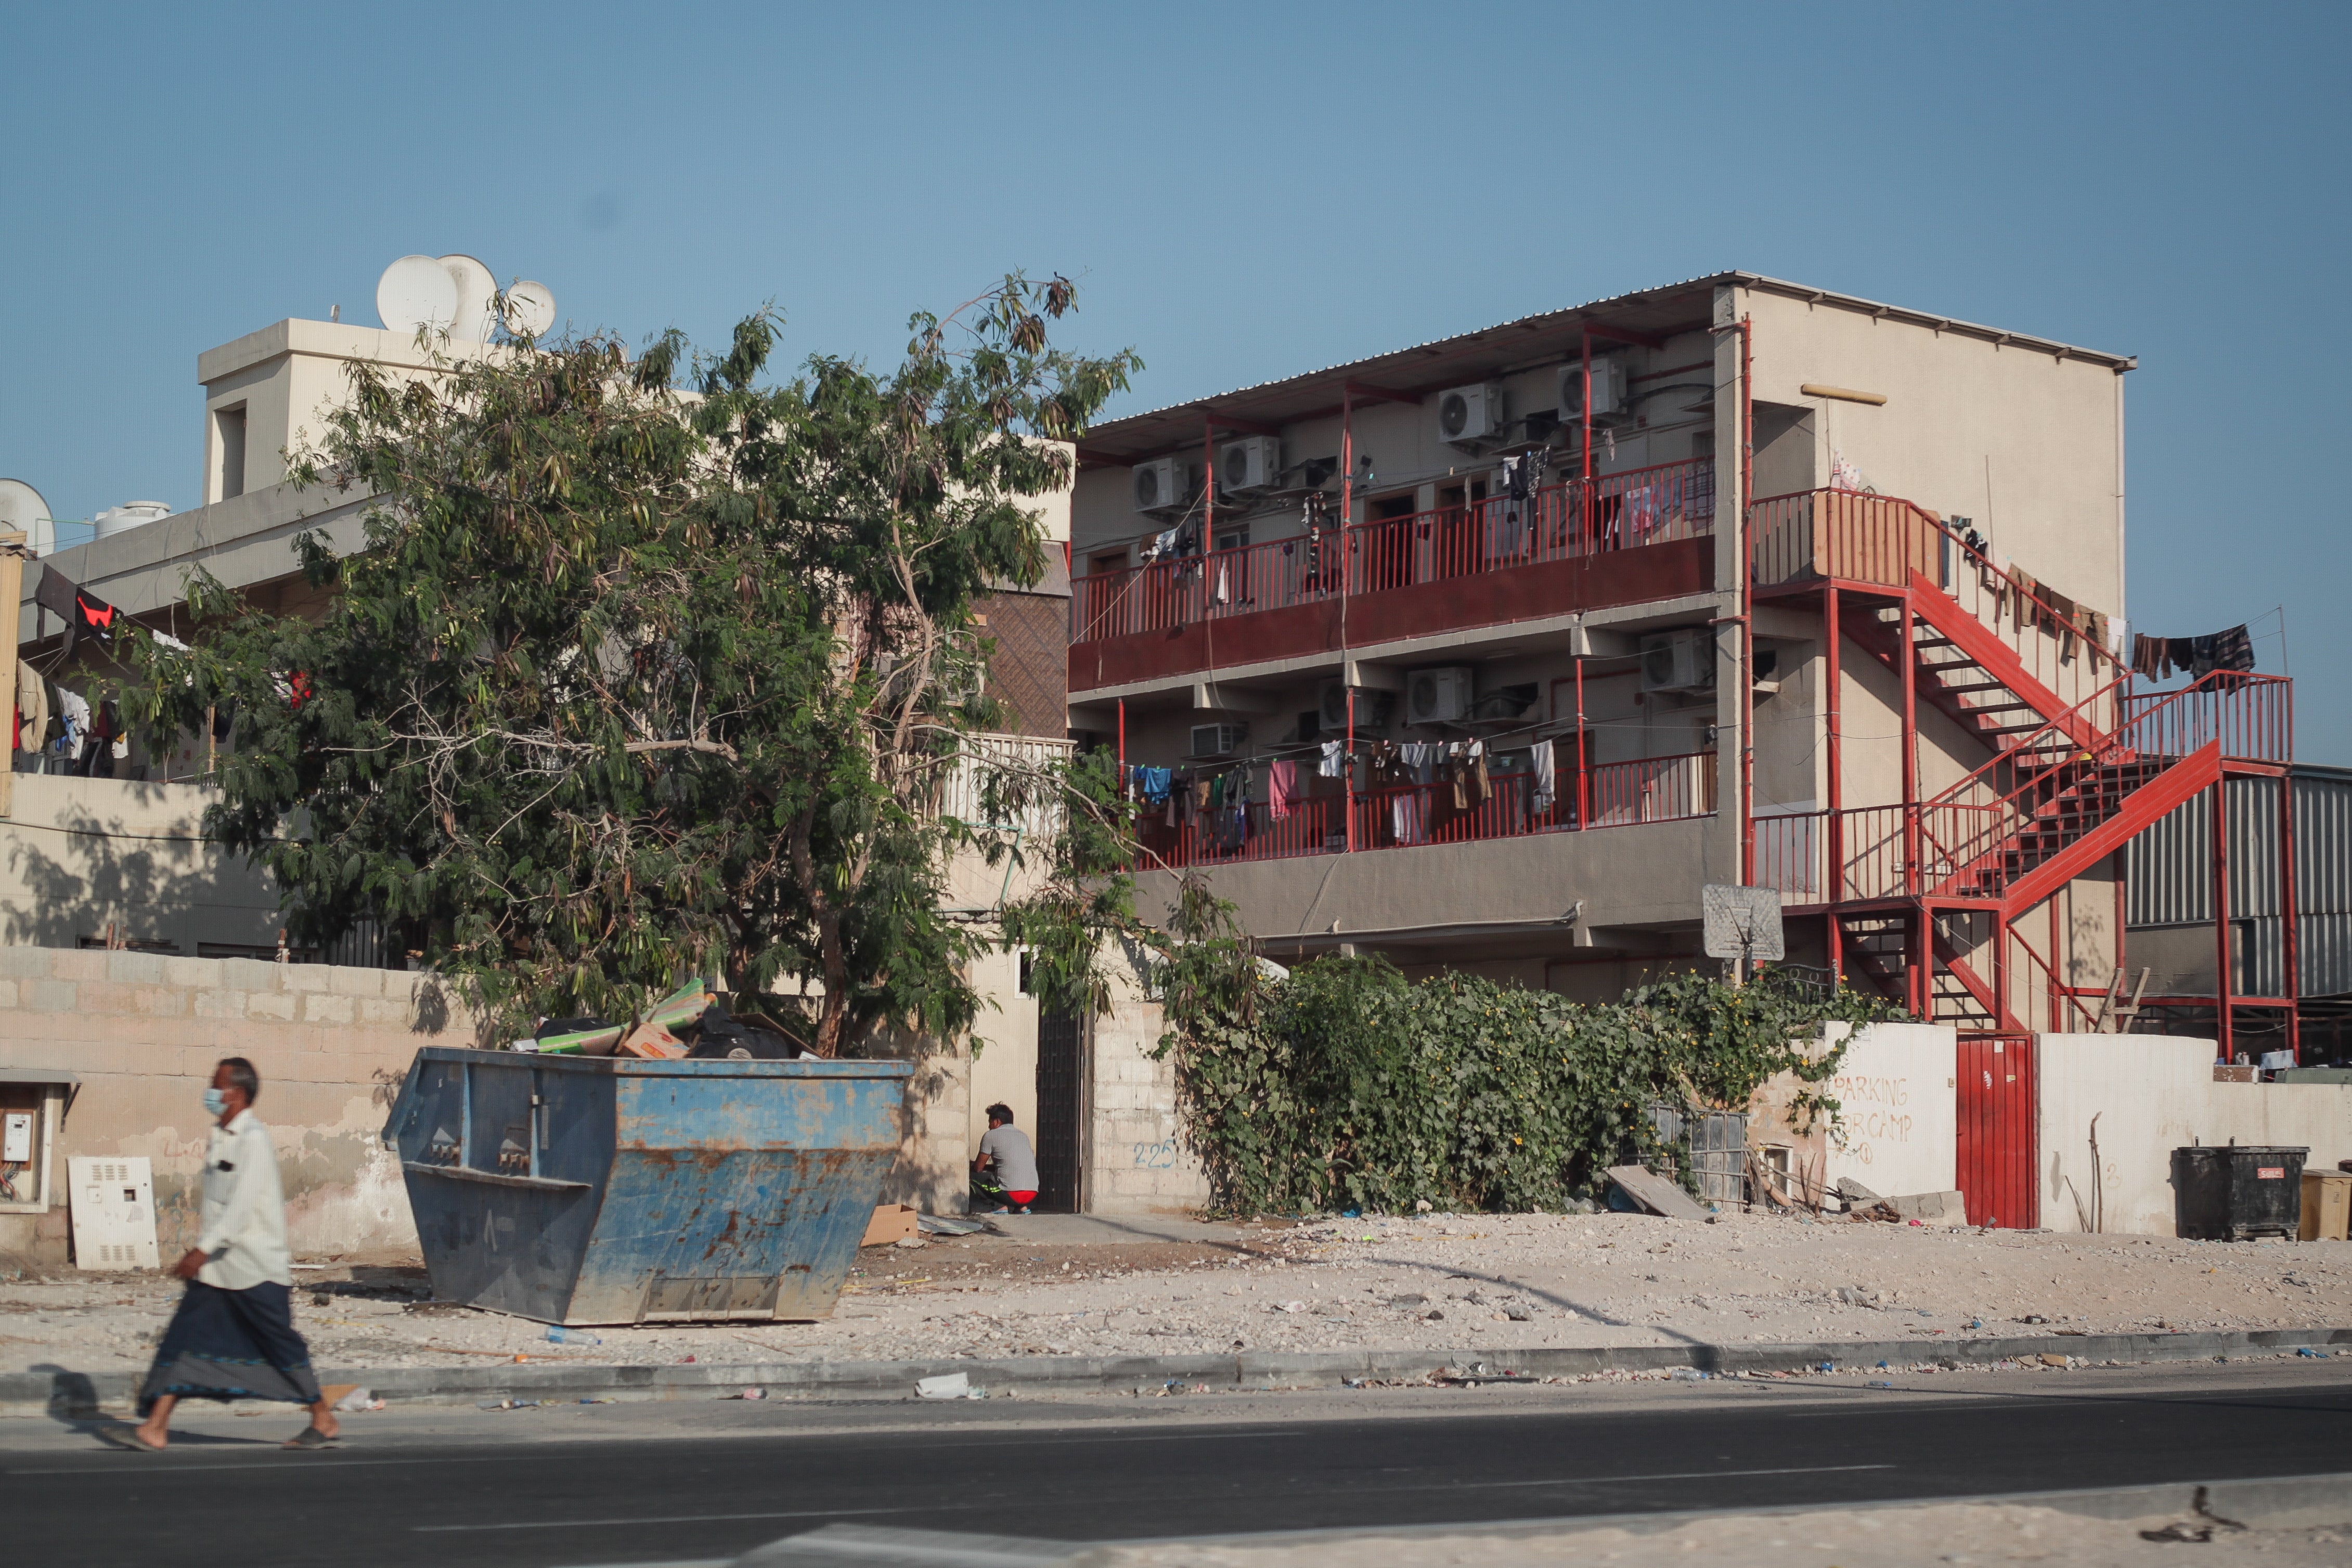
1898,1109
2152,1094
285,374
78,855
2027,444
145,1032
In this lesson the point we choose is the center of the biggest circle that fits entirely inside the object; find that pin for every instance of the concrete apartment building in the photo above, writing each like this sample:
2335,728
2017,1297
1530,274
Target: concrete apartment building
1813,592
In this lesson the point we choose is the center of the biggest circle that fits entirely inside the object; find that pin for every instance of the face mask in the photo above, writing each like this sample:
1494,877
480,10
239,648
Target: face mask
215,1101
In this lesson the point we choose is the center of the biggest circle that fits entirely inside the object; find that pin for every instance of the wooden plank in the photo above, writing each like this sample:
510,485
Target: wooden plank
1655,1193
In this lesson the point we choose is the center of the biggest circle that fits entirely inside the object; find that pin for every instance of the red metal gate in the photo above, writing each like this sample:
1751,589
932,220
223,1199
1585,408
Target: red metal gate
1995,1093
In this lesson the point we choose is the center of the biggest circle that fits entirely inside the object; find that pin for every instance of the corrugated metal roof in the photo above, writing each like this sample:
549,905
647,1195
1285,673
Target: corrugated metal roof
1665,308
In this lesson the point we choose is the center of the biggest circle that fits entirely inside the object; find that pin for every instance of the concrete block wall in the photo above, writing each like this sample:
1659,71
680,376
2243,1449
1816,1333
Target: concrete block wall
2151,1094
143,1032
1139,1160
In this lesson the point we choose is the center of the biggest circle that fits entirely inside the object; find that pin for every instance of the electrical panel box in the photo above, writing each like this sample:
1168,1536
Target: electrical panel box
1608,388
113,1204
16,1138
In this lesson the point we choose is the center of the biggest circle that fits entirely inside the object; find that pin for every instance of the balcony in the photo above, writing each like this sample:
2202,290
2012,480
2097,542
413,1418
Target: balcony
1618,538
1609,795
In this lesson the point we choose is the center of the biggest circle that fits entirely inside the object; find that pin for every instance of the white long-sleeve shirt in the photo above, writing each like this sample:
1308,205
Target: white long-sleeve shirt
244,1236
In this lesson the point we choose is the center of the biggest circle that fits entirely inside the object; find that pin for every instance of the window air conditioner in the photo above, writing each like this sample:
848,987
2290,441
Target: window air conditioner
1218,739
1372,709
1608,388
1158,484
1438,697
1680,661
1250,465
1471,414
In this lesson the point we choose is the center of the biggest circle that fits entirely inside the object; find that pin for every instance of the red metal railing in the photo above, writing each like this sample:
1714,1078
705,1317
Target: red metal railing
1885,540
2251,716
1560,522
1967,834
1623,794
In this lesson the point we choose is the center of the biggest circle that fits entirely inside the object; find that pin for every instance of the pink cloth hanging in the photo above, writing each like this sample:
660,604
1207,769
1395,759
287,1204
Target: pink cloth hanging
1281,781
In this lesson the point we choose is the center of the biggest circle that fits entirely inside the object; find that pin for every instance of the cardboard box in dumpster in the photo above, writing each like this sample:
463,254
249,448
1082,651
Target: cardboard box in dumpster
892,1222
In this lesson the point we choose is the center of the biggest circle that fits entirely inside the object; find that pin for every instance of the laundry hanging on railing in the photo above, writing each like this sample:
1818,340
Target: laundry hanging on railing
84,613
2159,658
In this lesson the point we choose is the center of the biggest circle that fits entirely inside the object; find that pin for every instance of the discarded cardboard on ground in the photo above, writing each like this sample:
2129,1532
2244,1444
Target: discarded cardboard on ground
891,1222
1655,1193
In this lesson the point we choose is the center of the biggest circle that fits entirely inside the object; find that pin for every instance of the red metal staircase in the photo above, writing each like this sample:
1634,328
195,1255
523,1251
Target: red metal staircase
1923,896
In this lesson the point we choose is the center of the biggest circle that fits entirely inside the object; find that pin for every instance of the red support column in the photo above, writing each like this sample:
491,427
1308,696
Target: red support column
1835,742
1907,674
2224,1036
2292,980
1347,570
1583,787
1585,489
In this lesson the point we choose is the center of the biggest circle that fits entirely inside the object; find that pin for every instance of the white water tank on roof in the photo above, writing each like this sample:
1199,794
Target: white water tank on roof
129,515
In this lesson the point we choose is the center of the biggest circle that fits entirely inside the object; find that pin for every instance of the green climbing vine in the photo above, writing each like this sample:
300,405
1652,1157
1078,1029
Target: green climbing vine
1345,1085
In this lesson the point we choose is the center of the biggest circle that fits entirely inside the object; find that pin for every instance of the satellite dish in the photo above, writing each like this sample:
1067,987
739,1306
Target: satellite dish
21,507
531,309
475,289
416,291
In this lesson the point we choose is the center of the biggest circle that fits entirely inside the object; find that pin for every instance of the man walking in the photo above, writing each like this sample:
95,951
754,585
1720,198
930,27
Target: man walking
233,1336
1005,1169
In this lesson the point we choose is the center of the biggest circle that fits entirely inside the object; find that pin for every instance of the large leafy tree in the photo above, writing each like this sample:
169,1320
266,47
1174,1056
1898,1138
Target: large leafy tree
650,664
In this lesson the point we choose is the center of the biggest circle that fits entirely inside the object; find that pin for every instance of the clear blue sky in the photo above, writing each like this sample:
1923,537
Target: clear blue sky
1242,191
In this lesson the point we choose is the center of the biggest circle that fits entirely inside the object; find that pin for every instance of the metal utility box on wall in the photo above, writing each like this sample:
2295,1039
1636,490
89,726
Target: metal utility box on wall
612,1189
113,1211
33,1103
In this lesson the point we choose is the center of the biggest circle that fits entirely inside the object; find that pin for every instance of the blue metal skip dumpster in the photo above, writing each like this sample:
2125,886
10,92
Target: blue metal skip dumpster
616,1191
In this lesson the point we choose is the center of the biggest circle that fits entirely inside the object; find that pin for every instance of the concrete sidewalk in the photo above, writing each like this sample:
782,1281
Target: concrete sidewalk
1103,1230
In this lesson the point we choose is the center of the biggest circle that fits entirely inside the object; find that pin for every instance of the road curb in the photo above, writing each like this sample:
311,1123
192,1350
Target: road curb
77,1393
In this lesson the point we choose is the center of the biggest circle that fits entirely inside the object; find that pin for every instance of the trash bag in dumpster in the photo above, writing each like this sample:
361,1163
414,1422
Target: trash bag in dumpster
613,1189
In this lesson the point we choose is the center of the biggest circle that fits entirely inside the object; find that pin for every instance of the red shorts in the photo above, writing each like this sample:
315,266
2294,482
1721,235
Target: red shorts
1021,1199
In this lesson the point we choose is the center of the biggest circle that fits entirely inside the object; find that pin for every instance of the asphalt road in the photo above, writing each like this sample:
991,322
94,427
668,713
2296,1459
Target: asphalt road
648,1483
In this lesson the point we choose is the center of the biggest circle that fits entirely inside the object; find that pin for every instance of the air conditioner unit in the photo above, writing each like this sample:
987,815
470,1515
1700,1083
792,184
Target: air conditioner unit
1438,697
1218,739
1371,708
1608,388
1680,661
1470,415
1159,484
1250,465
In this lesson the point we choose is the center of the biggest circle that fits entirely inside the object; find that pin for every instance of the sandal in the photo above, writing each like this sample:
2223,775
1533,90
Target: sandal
125,1436
311,1438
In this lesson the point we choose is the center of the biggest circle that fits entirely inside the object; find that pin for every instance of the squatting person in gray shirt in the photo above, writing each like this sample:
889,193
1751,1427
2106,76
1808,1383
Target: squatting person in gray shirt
1004,1172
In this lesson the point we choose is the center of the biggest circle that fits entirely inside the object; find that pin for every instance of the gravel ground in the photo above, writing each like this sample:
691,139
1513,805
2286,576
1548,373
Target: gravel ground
1431,1283
1924,1537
